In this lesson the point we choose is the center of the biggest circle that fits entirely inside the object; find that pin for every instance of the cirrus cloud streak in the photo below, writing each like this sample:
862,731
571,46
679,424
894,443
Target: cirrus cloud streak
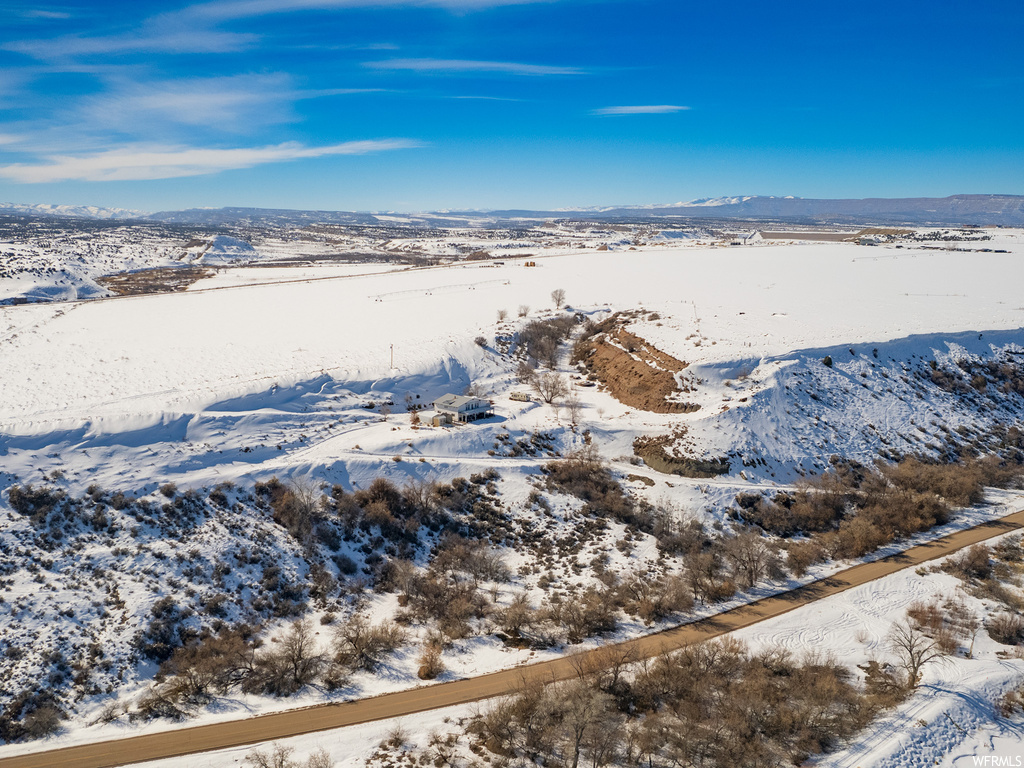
467,65
141,163
648,109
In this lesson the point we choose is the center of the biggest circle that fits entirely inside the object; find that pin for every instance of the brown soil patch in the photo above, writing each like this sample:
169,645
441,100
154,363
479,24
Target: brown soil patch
634,371
159,280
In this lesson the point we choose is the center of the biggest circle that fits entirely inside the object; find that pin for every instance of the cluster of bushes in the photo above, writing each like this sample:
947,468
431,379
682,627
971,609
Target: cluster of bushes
1004,375
448,592
713,704
32,714
987,572
236,659
853,509
582,474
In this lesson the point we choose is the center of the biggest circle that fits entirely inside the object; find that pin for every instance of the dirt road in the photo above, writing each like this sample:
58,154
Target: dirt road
203,738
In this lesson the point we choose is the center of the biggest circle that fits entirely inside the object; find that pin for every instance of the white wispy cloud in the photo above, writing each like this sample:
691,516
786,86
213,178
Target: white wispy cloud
176,40
649,109
35,13
193,29
235,103
466,65
138,163
237,9
485,98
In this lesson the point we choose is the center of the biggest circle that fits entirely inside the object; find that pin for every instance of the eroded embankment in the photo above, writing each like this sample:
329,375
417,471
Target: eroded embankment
665,453
635,372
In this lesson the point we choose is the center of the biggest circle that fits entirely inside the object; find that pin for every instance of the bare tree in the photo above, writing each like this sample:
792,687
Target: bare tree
518,615
524,310
558,297
574,406
583,711
964,622
913,649
299,652
525,372
550,386
502,315
751,555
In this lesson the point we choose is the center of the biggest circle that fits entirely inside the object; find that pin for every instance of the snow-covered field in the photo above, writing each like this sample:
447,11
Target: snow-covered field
283,372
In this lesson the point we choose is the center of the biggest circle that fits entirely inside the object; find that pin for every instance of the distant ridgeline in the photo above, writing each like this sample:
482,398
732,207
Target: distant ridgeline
955,210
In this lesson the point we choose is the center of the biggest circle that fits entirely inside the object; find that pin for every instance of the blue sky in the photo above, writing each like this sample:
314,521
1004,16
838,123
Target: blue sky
431,104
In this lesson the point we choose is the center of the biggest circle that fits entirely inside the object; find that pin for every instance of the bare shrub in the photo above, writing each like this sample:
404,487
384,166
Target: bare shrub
802,555
360,645
752,557
539,339
960,484
574,407
584,475
297,505
517,616
278,757
430,663
971,564
1011,702
591,613
320,759
693,703
292,664
524,310
1006,628
42,721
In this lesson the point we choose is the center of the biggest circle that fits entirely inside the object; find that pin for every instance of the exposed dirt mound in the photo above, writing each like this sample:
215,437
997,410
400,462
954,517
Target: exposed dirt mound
635,372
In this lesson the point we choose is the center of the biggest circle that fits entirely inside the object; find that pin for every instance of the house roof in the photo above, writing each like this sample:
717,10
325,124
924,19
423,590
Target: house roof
456,401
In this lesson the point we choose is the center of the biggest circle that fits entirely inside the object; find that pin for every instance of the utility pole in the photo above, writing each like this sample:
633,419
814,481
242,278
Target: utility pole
392,357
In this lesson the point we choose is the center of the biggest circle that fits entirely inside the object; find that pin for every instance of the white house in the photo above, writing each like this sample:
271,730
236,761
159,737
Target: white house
462,408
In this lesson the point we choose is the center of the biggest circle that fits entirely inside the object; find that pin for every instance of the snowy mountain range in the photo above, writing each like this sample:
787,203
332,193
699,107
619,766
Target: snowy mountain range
955,210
